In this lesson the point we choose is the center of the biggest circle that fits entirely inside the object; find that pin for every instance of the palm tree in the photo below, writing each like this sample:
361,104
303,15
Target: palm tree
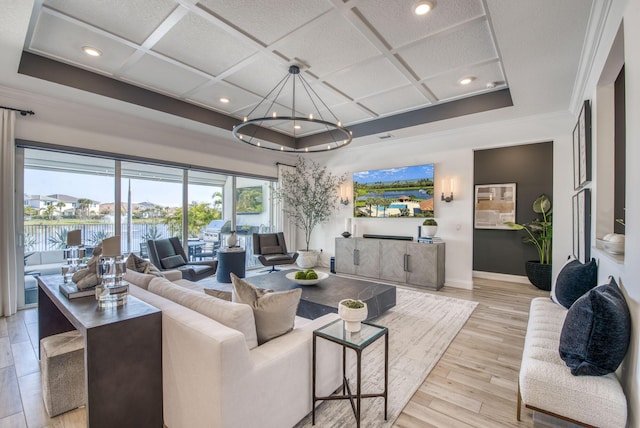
49,211
61,205
83,205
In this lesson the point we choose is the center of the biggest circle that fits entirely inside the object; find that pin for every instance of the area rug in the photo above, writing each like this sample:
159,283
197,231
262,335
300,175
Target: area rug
421,327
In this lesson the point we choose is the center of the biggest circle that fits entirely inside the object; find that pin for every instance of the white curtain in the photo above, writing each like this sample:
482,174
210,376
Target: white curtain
283,224
8,259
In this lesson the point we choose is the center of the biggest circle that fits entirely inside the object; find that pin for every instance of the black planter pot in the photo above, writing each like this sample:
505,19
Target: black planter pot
539,274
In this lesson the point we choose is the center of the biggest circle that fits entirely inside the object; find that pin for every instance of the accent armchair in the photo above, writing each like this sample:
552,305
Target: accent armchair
168,254
271,250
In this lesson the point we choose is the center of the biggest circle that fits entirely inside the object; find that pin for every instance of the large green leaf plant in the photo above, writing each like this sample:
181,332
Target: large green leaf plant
540,230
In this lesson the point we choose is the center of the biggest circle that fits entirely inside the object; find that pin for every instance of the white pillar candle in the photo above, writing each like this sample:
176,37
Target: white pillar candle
347,224
353,228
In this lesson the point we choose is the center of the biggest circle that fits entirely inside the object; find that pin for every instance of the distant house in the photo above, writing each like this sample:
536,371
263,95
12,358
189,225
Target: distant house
39,202
70,204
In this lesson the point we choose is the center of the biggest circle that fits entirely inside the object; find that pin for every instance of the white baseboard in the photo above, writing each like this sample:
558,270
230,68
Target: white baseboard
501,277
456,283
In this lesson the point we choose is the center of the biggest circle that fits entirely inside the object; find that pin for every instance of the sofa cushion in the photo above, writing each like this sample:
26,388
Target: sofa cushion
220,294
141,265
271,250
274,311
234,315
574,279
141,280
596,331
172,261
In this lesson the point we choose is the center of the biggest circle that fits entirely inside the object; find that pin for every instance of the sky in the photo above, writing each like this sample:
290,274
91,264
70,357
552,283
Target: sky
393,174
101,188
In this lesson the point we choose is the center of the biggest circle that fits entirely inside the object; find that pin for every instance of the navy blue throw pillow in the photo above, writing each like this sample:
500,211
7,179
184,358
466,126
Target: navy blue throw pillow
574,279
596,332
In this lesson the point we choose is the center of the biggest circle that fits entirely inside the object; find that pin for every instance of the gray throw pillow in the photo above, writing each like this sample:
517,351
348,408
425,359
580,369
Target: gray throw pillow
141,265
274,311
596,332
173,261
574,279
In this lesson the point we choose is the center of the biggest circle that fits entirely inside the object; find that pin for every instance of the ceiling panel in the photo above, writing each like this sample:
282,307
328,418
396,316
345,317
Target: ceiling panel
396,101
260,75
155,73
267,21
238,99
327,45
450,50
375,76
200,44
64,40
133,20
398,25
446,86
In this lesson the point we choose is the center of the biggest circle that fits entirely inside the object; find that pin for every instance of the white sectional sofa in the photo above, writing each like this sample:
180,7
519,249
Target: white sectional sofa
547,385
211,377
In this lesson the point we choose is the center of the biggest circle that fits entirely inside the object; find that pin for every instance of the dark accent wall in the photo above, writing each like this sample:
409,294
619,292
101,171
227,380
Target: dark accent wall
531,168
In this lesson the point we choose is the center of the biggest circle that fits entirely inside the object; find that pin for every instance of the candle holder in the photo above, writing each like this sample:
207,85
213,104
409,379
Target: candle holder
113,290
74,253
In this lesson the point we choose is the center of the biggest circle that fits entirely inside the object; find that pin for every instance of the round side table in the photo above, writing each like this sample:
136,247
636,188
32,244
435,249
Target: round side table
230,260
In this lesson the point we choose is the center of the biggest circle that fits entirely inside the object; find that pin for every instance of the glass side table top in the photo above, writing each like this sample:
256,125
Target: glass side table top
360,339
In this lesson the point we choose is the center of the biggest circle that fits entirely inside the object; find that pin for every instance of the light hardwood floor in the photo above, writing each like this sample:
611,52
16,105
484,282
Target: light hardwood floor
473,385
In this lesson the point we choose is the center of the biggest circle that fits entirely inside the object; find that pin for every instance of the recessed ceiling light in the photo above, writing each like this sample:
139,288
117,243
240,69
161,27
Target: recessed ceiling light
224,100
423,7
91,51
466,80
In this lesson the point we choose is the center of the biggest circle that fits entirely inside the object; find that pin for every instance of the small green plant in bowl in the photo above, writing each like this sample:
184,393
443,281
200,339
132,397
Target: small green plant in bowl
353,304
430,222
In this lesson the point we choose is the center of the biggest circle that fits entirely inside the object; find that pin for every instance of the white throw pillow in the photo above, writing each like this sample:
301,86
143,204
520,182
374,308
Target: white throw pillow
274,311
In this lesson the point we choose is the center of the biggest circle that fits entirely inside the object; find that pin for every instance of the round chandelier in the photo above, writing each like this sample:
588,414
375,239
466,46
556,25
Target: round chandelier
315,132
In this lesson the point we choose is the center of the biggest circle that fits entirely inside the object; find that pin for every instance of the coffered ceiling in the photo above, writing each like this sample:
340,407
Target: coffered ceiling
369,60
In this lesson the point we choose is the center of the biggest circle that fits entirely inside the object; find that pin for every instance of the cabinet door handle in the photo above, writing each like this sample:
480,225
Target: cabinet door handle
406,262
356,257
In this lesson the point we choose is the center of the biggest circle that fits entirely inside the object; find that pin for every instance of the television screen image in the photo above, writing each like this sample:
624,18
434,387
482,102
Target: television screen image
249,200
394,192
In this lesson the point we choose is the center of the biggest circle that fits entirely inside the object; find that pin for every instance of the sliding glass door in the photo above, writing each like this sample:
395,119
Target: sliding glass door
62,192
105,196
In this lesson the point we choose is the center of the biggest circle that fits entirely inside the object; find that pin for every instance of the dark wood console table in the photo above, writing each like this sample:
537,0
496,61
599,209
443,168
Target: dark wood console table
123,354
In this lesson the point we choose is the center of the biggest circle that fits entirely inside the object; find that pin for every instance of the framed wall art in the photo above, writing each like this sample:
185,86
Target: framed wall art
582,225
582,150
495,204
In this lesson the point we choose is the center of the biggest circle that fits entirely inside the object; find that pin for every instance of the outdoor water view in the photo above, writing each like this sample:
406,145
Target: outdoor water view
394,192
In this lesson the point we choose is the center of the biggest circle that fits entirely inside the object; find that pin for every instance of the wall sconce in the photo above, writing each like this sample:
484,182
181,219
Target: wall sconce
344,198
448,198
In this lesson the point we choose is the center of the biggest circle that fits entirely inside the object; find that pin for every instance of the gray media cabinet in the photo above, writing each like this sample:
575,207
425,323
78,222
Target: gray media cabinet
414,263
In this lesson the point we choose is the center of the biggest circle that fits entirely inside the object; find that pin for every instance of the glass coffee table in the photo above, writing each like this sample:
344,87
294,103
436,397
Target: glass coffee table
358,341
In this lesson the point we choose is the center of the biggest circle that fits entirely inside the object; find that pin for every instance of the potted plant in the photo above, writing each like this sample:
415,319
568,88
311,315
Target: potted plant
308,195
429,227
353,312
540,234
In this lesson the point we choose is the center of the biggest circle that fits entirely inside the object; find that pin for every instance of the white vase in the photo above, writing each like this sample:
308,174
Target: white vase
352,317
232,240
429,231
307,259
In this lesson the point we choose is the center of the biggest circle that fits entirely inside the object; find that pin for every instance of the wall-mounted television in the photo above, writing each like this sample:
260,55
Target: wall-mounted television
394,192
249,200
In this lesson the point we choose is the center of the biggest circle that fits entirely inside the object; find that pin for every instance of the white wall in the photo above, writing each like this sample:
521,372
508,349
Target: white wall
599,89
630,274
